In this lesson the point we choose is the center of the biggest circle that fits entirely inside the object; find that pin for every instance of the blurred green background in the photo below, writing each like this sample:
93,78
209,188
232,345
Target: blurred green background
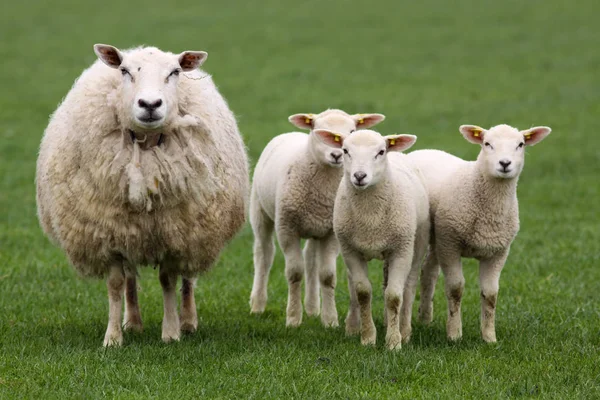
429,66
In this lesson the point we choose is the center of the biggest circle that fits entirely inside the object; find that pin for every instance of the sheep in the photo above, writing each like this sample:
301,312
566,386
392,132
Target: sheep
380,212
143,164
475,214
292,193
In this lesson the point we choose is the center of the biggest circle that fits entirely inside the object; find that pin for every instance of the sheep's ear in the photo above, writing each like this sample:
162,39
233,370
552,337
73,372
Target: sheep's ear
399,142
364,121
473,133
535,135
190,60
330,138
109,55
302,121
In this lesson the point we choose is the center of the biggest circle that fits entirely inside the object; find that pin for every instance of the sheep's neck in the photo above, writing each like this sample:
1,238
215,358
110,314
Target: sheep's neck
493,192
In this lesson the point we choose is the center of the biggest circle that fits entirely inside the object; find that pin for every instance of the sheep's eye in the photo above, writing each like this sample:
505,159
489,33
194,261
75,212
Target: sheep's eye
175,72
381,152
487,144
352,131
124,72
345,151
520,145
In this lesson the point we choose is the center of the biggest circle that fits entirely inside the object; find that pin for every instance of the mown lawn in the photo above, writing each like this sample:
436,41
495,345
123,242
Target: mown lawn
430,66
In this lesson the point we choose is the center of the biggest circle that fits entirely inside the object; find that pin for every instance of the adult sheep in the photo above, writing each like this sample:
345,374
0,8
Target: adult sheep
143,164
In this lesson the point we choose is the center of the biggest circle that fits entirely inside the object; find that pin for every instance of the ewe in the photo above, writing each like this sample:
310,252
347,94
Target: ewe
475,214
293,191
143,164
381,211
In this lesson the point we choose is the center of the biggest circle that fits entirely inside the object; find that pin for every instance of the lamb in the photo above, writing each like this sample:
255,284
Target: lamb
143,164
475,214
293,191
381,211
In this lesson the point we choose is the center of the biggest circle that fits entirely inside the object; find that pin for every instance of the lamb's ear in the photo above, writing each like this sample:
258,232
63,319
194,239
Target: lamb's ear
473,133
399,142
535,135
190,60
109,55
364,121
302,121
330,138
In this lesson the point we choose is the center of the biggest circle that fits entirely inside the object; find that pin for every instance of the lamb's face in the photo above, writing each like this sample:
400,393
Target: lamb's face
149,82
503,147
334,121
365,154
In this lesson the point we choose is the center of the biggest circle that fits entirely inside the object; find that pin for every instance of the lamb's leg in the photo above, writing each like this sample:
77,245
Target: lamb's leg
353,317
489,277
429,277
399,268
132,320
115,283
311,290
294,268
357,267
455,286
327,256
264,251
170,325
385,284
410,289
188,320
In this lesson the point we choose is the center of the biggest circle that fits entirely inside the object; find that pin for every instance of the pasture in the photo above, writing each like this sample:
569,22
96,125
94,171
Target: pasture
429,66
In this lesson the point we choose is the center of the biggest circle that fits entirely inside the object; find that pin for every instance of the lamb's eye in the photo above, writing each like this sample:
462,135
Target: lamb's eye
352,131
381,152
487,144
345,151
124,72
520,145
175,72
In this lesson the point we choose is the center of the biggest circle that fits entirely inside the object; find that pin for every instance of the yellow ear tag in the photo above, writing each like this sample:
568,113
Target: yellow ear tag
528,136
336,138
476,133
307,120
361,121
392,142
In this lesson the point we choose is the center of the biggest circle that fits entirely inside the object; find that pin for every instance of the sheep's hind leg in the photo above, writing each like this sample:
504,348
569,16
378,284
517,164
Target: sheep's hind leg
189,314
132,320
311,289
429,276
170,325
115,283
264,251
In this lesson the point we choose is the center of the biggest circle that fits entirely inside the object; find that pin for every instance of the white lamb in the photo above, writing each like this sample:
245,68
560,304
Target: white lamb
475,214
143,164
293,191
381,211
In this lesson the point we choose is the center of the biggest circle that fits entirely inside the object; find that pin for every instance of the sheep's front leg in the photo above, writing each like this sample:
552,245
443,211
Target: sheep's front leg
264,251
189,315
353,317
489,281
114,283
311,290
132,320
455,286
294,268
170,325
357,268
398,270
327,256
429,276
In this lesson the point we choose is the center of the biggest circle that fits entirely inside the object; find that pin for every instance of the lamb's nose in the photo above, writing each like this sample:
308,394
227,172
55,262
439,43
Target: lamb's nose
336,156
150,105
505,163
359,176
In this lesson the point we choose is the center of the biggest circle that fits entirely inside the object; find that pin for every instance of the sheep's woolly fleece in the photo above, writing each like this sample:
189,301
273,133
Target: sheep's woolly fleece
103,200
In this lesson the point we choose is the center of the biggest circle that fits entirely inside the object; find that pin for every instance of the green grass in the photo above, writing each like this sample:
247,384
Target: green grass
429,66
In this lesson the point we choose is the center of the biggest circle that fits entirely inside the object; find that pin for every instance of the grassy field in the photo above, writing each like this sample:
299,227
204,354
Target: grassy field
430,67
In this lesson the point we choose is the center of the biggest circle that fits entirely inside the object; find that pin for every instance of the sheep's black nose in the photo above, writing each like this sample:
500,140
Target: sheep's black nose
150,106
505,163
359,176
336,156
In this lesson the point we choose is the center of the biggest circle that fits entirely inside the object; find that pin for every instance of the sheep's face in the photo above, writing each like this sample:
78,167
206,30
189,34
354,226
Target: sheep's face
334,121
149,82
365,153
503,147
